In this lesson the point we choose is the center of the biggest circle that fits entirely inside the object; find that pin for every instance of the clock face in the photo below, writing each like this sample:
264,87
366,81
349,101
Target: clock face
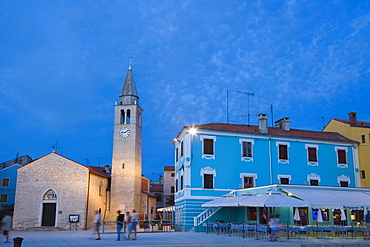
124,132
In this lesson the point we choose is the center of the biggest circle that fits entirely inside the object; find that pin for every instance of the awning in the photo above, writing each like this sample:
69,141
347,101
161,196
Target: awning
332,198
273,198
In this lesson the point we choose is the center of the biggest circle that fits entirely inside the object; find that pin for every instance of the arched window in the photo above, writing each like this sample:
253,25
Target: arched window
50,195
122,118
128,116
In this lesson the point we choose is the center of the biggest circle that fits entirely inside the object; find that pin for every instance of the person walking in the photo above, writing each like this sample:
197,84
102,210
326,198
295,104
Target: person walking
270,224
6,226
128,225
367,226
97,222
135,221
119,223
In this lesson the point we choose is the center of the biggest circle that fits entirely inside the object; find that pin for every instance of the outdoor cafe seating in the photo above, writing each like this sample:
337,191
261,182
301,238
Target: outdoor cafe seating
289,231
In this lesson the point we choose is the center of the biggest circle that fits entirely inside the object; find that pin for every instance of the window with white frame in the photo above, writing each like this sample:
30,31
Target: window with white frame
341,157
248,180
208,177
313,179
246,146
283,152
284,179
182,148
343,181
312,154
208,146
177,154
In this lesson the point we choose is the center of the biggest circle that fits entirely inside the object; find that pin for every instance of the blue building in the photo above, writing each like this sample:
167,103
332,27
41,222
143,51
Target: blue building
214,159
8,176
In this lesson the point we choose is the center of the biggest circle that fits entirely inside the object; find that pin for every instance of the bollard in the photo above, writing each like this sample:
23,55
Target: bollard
17,241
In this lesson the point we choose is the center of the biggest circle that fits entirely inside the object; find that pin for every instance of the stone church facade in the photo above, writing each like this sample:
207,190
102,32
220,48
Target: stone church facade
54,189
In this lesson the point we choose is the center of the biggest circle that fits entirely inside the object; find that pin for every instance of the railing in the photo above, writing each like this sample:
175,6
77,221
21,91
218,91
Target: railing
143,226
289,231
205,215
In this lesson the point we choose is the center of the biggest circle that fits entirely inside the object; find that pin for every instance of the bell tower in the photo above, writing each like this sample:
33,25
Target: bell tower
127,146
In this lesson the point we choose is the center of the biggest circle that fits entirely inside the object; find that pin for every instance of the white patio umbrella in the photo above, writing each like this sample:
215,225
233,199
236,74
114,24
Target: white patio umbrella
218,202
343,215
273,198
296,215
319,216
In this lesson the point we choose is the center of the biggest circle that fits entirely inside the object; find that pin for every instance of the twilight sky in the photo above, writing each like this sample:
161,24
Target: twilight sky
63,64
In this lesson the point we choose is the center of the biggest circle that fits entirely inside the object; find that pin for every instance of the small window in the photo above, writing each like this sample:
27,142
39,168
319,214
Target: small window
283,152
128,117
182,149
158,197
343,183
181,182
4,198
172,174
101,189
208,181
172,189
312,154
176,185
247,149
248,182
342,156
363,139
252,213
123,165
363,175
5,182
314,182
177,154
284,180
208,147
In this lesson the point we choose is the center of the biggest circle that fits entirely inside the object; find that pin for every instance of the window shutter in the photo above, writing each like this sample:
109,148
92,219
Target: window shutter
312,155
342,156
283,152
208,146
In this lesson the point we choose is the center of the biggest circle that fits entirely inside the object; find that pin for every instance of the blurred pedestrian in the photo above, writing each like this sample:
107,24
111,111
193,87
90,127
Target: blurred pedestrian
6,226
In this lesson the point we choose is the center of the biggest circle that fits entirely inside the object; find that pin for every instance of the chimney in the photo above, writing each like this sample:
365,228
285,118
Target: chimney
262,123
106,169
283,123
352,118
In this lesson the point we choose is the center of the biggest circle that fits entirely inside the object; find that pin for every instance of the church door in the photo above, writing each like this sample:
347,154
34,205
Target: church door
48,214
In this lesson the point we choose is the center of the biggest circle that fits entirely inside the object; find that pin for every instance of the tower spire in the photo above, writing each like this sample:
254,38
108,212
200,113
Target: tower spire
129,94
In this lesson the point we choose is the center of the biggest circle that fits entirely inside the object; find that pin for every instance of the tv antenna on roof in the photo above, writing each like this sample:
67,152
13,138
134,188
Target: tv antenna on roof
248,94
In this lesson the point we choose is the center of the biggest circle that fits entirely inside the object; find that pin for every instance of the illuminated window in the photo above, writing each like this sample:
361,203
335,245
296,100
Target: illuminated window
252,213
324,214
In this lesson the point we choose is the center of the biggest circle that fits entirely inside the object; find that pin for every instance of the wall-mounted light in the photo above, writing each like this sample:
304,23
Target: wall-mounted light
192,131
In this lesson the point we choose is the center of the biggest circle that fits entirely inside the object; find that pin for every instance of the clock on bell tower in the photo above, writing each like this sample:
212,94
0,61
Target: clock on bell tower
127,148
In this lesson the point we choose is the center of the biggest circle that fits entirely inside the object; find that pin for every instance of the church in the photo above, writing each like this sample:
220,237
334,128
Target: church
54,191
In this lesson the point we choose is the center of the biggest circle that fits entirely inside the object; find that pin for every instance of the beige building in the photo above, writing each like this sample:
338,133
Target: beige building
53,189
358,131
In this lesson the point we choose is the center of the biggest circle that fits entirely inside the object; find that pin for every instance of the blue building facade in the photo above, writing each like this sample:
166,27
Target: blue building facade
8,181
214,159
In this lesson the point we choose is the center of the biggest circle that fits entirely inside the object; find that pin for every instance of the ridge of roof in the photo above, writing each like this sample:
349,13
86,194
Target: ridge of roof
358,123
274,131
97,170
